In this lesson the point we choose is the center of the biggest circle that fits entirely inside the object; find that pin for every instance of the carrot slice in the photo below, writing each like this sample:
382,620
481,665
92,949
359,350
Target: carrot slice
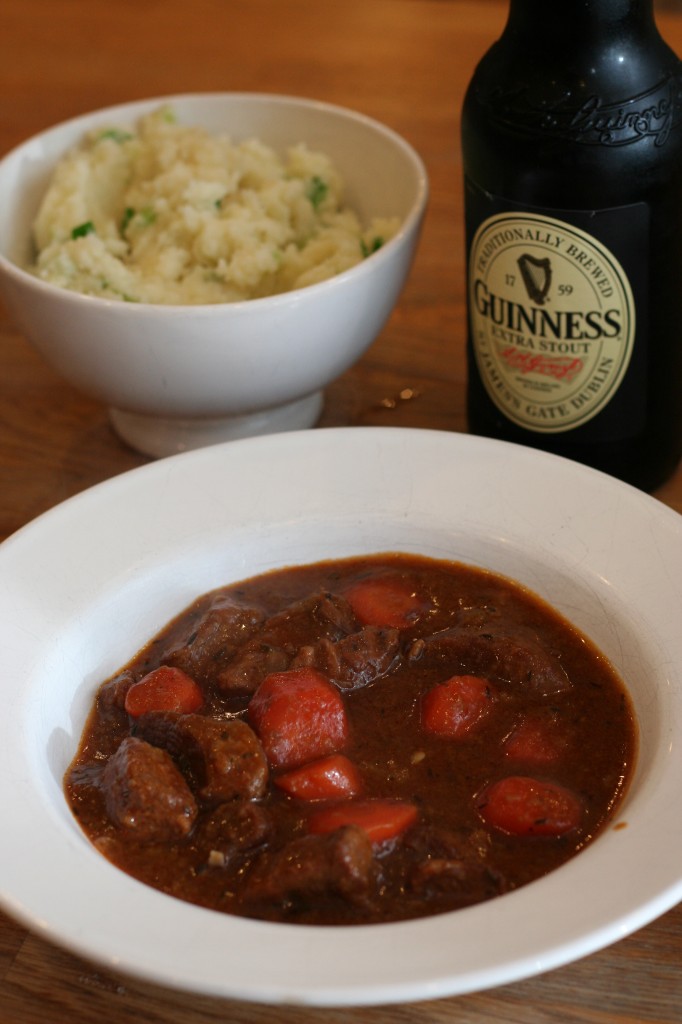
163,689
381,819
455,707
299,716
535,742
329,778
525,806
385,601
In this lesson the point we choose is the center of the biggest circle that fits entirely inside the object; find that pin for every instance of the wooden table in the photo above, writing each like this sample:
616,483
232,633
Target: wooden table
407,63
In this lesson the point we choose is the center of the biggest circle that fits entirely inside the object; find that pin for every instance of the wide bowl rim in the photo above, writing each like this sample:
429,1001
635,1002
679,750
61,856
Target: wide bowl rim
359,460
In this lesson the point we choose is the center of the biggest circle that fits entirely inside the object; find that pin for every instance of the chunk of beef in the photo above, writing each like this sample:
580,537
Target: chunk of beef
222,759
334,613
256,660
340,863
215,639
355,660
146,794
515,658
110,707
452,863
305,621
233,829
277,642
112,694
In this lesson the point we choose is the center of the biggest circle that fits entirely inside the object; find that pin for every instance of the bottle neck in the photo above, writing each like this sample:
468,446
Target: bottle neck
577,16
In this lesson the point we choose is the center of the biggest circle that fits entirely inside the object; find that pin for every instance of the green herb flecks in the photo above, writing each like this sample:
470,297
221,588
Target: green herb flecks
317,191
143,218
116,134
88,228
128,215
375,244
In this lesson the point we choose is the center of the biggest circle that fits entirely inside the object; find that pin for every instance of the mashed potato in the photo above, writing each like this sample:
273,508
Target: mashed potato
166,213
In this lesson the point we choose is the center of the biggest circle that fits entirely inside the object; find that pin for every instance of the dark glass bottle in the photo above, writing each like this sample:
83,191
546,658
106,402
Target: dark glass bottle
572,151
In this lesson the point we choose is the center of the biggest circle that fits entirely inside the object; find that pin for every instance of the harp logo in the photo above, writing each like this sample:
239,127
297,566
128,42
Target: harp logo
536,275
552,320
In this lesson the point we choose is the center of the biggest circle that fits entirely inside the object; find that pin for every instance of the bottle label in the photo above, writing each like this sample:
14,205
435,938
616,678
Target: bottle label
552,319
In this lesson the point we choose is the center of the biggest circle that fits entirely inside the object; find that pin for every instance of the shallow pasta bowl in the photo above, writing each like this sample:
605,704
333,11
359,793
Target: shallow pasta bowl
181,376
86,585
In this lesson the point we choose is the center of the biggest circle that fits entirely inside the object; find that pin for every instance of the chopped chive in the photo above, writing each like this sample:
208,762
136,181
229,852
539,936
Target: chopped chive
88,228
317,190
128,215
145,216
116,134
375,244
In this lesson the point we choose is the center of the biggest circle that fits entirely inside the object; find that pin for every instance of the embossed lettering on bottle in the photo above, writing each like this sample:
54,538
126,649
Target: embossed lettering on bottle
596,122
552,317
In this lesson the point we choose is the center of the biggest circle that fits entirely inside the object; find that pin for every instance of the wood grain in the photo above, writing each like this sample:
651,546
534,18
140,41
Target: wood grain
407,63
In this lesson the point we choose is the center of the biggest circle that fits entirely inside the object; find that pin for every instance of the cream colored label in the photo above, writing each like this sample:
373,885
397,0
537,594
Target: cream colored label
553,320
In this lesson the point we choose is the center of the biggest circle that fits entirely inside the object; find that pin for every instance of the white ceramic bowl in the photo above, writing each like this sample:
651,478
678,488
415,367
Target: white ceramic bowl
177,377
83,587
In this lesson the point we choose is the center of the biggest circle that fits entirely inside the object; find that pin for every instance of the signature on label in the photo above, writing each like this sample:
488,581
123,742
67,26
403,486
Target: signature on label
559,367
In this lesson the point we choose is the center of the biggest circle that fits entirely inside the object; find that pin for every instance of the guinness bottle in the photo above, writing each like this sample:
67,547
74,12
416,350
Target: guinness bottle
572,149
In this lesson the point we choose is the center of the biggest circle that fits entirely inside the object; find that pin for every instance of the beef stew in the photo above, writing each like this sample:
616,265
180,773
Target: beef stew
370,739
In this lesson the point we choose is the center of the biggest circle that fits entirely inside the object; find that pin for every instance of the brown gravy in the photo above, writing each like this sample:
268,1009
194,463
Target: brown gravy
545,710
